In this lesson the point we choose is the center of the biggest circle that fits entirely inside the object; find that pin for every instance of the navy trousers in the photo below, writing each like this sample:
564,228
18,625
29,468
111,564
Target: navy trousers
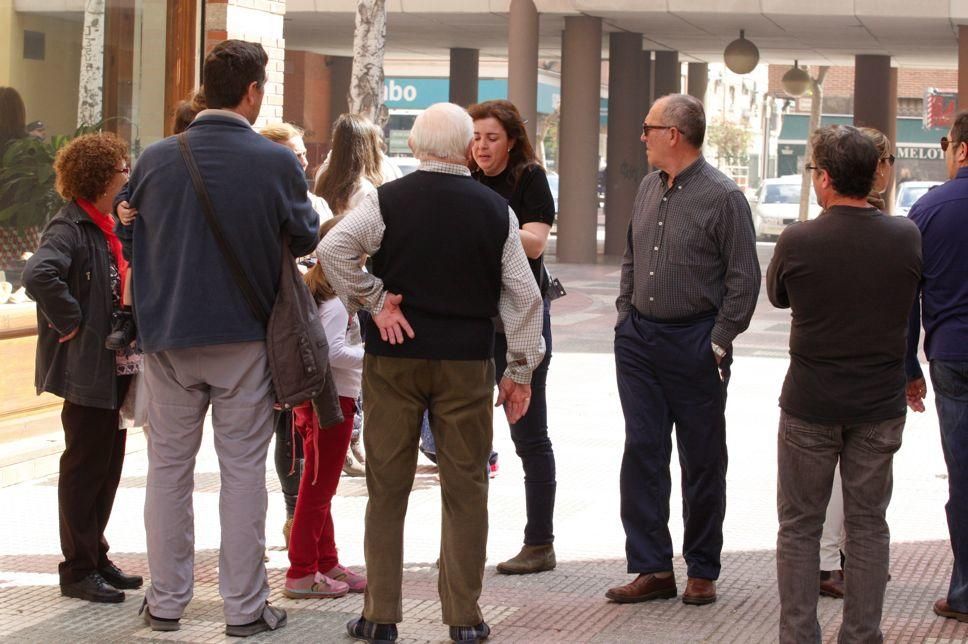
667,375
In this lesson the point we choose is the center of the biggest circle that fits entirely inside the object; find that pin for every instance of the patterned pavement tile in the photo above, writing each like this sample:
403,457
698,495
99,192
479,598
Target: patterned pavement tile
565,605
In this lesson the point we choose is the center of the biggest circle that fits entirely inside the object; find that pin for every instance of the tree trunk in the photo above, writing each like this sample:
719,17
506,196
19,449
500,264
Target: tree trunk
91,92
366,82
816,105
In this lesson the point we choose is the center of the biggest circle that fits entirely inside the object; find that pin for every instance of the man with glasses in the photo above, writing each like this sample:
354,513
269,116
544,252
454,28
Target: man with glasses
942,216
849,277
690,278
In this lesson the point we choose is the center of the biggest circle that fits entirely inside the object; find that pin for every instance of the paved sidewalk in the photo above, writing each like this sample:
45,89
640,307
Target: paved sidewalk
566,605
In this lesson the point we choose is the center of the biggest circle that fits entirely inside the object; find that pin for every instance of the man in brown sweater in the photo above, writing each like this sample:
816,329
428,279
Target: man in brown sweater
850,278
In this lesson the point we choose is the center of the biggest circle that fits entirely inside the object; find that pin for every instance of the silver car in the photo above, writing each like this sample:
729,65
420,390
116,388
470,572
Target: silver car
909,192
776,205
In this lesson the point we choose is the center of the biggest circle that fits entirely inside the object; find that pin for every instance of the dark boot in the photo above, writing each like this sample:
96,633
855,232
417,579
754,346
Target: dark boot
531,559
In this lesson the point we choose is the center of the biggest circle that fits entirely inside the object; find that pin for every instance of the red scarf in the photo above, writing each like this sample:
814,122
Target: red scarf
106,224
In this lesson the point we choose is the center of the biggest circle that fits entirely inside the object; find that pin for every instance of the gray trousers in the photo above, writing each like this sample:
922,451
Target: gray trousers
234,380
807,455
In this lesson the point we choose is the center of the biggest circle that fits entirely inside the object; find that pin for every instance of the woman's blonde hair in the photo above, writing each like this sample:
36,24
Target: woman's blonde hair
879,139
281,132
315,277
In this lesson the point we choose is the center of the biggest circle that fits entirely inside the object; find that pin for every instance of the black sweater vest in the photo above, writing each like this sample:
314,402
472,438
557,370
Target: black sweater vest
442,251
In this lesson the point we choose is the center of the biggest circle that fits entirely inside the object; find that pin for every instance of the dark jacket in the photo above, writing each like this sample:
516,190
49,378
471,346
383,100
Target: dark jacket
70,278
184,293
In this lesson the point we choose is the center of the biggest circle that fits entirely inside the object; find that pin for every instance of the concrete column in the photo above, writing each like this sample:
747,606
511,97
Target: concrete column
875,99
668,77
625,155
523,62
697,80
962,67
463,75
581,78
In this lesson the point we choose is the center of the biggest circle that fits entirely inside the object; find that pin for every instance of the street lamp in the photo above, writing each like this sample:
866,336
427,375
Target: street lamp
796,81
741,55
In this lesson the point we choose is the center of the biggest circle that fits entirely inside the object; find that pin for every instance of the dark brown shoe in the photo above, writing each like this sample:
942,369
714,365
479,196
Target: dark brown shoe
942,609
699,591
832,583
644,588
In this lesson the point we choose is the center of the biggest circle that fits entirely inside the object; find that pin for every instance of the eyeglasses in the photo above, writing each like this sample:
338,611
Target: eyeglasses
812,168
889,158
945,143
646,128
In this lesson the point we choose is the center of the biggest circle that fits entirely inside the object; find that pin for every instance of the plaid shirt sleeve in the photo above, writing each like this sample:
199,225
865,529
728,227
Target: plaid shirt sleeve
520,307
341,254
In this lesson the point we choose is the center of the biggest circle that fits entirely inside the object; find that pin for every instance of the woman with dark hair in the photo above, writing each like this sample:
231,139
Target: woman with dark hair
504,160
352,171
76,276
13,116
186,111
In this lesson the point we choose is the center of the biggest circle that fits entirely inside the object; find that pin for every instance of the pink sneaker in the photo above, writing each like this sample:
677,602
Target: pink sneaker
314,586
356,582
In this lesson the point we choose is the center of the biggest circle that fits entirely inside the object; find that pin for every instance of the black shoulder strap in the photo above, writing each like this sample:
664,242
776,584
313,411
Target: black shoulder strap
230,257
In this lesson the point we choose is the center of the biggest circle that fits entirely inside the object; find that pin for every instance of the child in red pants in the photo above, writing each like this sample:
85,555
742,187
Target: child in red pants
314,568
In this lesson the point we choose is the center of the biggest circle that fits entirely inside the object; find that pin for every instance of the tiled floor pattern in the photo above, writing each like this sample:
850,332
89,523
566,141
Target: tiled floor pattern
566,605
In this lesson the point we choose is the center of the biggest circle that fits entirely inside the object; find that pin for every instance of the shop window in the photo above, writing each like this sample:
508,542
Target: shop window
89,65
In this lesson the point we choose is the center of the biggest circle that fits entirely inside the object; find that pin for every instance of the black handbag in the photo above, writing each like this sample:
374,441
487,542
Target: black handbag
296,343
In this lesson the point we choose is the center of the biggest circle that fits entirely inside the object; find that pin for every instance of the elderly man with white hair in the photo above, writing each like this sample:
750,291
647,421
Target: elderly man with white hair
447,258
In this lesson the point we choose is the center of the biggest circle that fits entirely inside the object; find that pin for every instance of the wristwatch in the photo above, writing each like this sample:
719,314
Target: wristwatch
718,350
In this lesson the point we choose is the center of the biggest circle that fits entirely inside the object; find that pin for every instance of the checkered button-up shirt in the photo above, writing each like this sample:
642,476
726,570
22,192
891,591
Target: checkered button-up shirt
361,233
691,250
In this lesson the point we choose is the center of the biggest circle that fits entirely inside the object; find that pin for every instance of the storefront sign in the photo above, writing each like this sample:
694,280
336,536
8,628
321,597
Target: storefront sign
910,152
939,107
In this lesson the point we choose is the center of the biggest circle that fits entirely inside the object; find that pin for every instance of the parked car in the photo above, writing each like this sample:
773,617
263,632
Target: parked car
909,192
776,205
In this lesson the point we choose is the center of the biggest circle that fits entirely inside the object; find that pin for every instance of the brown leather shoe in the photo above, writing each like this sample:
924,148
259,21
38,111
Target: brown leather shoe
644,588
699,591
832,583
942,609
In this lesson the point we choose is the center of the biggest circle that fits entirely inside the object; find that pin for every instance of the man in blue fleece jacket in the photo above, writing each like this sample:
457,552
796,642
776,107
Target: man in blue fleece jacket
203,344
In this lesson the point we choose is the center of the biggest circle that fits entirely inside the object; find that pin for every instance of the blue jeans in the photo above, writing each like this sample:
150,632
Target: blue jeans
950,382
807,454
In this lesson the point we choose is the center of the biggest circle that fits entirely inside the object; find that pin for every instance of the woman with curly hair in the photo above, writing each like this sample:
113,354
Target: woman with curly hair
76,276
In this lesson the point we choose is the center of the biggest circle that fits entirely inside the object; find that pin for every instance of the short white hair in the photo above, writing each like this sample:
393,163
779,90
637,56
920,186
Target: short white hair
443,130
